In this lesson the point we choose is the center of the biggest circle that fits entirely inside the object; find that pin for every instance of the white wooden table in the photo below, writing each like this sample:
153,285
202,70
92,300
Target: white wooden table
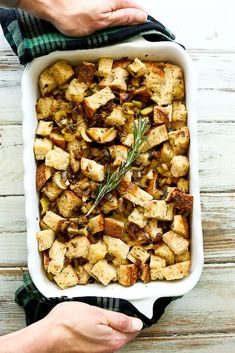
204,320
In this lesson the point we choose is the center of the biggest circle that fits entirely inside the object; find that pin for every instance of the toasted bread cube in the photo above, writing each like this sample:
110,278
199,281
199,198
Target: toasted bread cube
183,185
116,81
116,117
97,252
104,272
45,107
138,253
83,276
57,158
156,273
109,203
88,267
180,226
176,242
67,203
137,217
142,93
45,239
179,166
92,170
62,71
165,252
186,256
52,220
78,247
145,273
113,227
98,99
67,278
85,72
57,255
42,147
179,115
51,191
179,140
137,68
58,139
155,137
133,193
127,275
119,154
96,224
162,115
116,248
182,201
143,159
47,82
127,140
44,128
160,210
153,230
157,265
76,91
43,173
177,271
55,266
102,134
105,66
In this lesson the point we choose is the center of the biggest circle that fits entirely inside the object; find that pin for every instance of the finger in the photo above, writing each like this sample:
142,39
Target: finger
125,17
128,4
123,323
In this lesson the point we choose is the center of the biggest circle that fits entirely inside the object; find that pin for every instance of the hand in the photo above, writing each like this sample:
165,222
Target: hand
83,17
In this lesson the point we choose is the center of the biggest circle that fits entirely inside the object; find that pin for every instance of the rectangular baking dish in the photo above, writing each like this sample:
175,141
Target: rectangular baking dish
141,295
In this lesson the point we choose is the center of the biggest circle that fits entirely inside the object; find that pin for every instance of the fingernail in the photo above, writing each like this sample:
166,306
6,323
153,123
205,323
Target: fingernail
141,17
137,324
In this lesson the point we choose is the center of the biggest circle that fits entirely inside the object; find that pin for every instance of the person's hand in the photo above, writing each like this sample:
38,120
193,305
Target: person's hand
82,328
83,17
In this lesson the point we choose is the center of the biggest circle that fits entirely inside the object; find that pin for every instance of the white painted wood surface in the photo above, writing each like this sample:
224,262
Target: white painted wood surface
203,321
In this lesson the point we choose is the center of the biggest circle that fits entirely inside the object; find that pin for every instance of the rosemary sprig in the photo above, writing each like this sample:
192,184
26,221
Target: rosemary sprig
113,180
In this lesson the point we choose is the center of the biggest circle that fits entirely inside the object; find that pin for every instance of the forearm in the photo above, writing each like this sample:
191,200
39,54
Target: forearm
8,3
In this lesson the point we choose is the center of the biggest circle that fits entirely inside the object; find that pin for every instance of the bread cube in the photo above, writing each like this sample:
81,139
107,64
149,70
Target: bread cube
83,276
85,72
162,115
52,220
186,256
45,239
58,139
182,201
179,166
97,252
43,173
102,134
105,66
45,107
78,247
144,274
143,93
67,278
166,152
119,154
57,255
143,159
44,128
97,100
153,230
113,227
154,138
96,224
116,117
47,82
165,252
108,203
157,265
179,140
179,114
55,266
183,185
180,226
137,68
51,191
138,253
42,147
76,91
57,158
137,217
127,140
133,193
62,71
92,170
127,275
116,248
104,272
177,271
161,210
176,242
116,81
67,203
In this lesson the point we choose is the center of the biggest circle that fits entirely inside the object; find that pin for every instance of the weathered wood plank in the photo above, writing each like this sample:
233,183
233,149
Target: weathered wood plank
209,308
217,220
216,160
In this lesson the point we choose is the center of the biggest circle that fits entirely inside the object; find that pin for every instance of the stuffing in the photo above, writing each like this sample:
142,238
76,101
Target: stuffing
57,255
61,71
57,158
102,134
162,115
156,265
138,253
153,230
186,256
133,193
82,275
143,159
183,185
127,275
92,170
127,140
47,82
113,227
137,68
96,224
45,239
42,147
179,115
137,217
177,271
144,274
44,128
179,140
97,252
181,200
78,247
179,166
142,93
76,91
51,190
119,154
46,107
176,242
166,152
116,117
116,80
43,173
97,100
160,210
85,72
180,226
108,203
166,253
57,139
104,272
155,137
105,66
75,149
116,248
52,220
60,180
67,278
68,203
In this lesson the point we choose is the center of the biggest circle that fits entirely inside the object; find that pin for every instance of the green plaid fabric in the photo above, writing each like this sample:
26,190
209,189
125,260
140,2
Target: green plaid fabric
31,37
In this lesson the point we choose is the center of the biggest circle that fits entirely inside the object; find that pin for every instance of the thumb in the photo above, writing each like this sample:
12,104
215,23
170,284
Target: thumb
122,322
124,17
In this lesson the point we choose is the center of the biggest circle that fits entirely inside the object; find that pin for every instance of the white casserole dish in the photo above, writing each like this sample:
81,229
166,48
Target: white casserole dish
141,295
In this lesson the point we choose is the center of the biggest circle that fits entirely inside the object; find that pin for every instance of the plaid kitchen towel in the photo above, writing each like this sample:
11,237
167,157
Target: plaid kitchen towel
37,306
31,37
